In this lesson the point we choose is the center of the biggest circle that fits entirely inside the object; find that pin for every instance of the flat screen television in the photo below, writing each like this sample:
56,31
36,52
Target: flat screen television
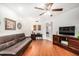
67,30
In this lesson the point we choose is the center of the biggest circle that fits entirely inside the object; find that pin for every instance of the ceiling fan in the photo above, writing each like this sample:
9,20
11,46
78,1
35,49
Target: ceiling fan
47,8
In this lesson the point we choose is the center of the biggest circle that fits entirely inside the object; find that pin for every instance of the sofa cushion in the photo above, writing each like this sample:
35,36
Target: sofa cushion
10,43
20,39
4,39
7,44
3,46
19,35
13,50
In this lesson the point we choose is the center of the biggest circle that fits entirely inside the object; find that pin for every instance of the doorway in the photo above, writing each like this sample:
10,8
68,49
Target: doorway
49,30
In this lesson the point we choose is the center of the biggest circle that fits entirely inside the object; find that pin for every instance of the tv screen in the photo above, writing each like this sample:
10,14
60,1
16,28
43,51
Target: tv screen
67,30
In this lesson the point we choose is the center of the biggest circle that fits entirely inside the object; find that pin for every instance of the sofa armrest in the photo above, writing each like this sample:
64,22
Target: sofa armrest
27,36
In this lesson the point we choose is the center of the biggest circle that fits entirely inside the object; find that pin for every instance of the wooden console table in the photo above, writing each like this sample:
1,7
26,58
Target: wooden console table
73,43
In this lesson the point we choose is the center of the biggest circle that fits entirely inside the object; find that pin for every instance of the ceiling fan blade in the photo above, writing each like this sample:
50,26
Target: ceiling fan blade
38,8
42,13
48,6
51,15
58,9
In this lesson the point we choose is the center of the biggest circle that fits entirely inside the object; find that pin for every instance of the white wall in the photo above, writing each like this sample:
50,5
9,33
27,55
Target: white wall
5,12
28,22
28,25
47,19
69,18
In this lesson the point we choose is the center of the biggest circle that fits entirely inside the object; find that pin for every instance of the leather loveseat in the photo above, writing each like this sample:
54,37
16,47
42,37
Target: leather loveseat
13,45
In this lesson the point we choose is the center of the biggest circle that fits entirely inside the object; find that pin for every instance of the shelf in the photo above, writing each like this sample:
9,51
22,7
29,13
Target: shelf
64,42
67,42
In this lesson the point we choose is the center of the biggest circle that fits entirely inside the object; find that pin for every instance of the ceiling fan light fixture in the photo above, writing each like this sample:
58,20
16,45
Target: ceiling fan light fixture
48,9
51,15
48,13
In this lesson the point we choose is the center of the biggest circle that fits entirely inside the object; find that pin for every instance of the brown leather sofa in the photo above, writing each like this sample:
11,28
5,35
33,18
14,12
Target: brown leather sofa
13,45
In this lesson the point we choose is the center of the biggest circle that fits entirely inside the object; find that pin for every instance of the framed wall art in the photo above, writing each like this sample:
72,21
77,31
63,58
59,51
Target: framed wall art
10,24
34,27
39,27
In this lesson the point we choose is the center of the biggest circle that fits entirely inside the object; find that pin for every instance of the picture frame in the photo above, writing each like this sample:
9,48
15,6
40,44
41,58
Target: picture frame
10,24
34,27
39,27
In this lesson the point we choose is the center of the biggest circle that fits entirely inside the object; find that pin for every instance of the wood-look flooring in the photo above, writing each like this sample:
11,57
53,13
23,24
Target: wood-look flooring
46,48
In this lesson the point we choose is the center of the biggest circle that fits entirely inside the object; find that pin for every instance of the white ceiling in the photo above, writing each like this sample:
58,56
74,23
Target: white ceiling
27,9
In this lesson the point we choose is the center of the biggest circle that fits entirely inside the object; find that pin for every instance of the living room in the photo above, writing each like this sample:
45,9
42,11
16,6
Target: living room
19,20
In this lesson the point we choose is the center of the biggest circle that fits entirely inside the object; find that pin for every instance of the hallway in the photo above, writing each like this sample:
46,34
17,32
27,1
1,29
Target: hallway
46,48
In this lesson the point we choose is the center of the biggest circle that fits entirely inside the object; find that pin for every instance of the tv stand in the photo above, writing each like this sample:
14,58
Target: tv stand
67,42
